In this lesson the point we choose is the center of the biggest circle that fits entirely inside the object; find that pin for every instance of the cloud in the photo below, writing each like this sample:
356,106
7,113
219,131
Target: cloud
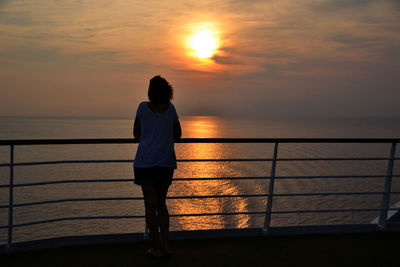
19,18
391,52
4,2
354,40
335,5
52,58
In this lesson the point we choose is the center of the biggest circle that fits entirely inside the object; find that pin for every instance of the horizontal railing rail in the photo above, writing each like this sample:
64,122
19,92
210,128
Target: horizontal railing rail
73,181
197,140
190,160
383,210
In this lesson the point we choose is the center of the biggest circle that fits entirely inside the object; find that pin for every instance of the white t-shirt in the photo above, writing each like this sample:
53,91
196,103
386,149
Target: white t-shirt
156,147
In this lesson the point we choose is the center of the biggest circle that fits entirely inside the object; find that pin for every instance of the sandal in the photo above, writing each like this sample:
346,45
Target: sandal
151,254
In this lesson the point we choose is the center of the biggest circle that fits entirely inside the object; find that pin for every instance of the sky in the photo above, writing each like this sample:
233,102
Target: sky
273,58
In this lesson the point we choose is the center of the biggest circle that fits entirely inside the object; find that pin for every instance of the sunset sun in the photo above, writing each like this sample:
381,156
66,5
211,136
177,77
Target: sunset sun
204,44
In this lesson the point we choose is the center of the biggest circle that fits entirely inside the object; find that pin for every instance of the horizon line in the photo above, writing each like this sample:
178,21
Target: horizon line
99,117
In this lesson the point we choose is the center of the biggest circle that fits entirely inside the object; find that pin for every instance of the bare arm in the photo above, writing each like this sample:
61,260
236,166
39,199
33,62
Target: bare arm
136,128
177,131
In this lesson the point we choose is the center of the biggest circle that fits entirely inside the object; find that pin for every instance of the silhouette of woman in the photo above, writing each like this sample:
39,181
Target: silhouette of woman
156,127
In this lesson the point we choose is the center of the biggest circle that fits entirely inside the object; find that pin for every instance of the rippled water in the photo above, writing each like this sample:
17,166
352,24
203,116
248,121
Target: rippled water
42,128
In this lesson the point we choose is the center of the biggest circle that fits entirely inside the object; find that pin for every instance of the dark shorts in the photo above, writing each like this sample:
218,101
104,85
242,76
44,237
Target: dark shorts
153,175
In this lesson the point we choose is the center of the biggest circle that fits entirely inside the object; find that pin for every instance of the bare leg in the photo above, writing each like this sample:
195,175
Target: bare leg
163,216
150,203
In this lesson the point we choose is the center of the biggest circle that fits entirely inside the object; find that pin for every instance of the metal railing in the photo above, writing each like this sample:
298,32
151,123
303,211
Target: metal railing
383,210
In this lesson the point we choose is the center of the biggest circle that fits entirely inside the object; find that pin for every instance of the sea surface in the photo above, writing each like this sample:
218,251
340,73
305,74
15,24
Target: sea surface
193,127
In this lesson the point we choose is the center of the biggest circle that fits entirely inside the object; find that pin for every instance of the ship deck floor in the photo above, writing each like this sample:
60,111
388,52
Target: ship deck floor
371,249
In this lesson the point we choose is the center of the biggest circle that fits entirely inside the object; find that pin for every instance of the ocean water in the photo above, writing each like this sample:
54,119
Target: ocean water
196,127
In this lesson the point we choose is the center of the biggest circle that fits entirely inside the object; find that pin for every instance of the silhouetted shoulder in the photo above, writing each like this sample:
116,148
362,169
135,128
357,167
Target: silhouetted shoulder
140,108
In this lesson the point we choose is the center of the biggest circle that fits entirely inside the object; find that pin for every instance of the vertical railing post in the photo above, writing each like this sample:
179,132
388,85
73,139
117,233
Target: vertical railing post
146,232
386,196
10,202
268,214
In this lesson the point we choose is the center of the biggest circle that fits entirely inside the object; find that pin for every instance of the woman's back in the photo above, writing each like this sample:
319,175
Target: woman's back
156,147
158,108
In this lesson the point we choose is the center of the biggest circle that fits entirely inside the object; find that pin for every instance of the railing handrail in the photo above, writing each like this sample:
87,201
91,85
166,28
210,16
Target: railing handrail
197,140
382,224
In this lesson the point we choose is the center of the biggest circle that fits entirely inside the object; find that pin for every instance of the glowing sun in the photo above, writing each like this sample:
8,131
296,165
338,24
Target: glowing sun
204,44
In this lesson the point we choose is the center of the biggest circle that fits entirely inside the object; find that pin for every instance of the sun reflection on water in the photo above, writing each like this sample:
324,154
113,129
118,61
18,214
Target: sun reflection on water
203,127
